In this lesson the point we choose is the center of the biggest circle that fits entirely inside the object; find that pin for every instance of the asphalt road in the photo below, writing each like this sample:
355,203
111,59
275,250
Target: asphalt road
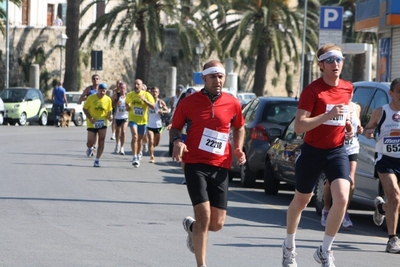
57,210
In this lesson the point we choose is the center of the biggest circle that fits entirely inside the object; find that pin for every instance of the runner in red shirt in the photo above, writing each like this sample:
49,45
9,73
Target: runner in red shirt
322,113
209,114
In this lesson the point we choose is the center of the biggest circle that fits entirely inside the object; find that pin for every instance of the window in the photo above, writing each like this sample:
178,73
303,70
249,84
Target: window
251,111
379,99
281,113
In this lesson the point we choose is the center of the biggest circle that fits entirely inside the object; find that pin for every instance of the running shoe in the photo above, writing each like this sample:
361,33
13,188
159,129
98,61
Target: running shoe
152,160
122,152
96,163
346,221
113,136
116,150
140,155
289,257
324,216
90,151
187,222
145,148
378,217
325,258
135,162
393,245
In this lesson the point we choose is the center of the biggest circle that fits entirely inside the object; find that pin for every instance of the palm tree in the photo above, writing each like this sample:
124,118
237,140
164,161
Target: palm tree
72,46
121,22
273,29
3,14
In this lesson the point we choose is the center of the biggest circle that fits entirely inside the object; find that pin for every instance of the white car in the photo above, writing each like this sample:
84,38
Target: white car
1,111
76,108
245,98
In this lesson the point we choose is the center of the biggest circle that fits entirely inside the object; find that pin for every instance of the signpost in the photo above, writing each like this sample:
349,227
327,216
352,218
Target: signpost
330,25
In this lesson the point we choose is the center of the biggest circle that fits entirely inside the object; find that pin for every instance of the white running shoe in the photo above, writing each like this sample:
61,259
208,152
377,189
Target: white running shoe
145,148
113,136
140,155
289,257
378,217
116,150
346,221
325,258
393,245
122,152
324,216
187,222
135,162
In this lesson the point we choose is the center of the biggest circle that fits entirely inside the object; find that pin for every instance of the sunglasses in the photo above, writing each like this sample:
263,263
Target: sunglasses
331,60
95,78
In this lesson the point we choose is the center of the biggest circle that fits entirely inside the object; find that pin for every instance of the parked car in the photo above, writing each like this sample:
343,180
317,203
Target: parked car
24,104
1,111
74,106
261,114
281,157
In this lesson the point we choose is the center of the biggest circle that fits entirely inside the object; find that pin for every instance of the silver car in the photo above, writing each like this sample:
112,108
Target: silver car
284,151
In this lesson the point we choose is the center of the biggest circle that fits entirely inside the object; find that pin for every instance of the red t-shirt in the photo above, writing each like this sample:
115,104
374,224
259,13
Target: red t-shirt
318,98
200,113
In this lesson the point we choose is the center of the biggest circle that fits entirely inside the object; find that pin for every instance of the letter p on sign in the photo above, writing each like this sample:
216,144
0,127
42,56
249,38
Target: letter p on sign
331,18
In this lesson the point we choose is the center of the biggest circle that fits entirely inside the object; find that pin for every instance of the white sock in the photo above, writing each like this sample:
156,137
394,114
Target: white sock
289,241
327,243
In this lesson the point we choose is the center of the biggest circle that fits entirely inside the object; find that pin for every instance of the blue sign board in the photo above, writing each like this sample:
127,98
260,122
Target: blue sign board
197,78
331,18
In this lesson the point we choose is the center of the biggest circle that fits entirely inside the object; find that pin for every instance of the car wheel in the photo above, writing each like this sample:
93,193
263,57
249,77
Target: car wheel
22,119
79,120
247,176
1,118
271,185
43,119
319,194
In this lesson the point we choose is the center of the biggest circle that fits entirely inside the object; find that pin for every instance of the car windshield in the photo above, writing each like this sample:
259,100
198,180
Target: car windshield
281,113
13,95
73,98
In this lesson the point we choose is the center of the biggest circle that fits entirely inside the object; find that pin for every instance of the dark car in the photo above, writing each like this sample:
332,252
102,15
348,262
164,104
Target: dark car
280,163
261,114
22,105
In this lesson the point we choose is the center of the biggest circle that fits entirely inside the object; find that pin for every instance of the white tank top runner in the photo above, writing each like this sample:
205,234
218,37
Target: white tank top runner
389,133
353,146
121,113
154,117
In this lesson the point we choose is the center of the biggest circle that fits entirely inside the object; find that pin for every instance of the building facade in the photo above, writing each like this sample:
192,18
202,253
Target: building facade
382,17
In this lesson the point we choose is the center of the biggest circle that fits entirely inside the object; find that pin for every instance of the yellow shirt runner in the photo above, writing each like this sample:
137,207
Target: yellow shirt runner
139,109
98,109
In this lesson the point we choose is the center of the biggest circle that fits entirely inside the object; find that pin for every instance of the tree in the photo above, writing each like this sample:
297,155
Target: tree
3,15
121,21
273,30
72,46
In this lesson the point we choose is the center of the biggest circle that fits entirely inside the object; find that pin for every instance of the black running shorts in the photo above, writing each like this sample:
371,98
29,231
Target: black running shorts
313,161
207,183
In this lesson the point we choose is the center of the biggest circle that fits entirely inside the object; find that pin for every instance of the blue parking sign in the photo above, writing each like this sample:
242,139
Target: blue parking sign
331,18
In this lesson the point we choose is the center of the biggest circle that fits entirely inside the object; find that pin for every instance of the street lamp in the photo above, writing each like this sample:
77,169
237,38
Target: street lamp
310,59
61,40
199,51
